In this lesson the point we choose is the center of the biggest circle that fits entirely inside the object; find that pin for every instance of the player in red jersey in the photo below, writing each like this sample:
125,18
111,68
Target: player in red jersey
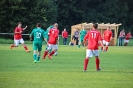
52,42
127,37
93,37
107,37
18,37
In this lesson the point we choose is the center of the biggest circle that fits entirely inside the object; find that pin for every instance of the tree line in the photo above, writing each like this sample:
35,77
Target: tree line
65,12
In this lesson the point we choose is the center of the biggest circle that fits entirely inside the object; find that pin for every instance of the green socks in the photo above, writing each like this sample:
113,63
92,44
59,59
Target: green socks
34,56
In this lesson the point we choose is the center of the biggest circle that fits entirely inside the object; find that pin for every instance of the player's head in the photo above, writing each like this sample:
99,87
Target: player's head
108,28
56,25
95,25
64,29
38,24
19,24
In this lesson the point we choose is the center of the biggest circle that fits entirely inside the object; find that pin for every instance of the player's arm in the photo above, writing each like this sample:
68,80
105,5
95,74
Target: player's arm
102,44
62,34
45,39
31,35
25,27
85,39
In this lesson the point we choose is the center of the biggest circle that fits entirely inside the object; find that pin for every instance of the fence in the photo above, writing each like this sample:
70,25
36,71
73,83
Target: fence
8,38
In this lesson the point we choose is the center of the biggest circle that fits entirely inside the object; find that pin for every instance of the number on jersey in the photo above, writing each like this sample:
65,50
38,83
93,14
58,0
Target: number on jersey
93,35
38,35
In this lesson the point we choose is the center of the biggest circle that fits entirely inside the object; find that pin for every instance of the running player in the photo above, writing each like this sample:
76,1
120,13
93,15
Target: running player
52,42
107,37
81,37
93,37
38,35
18,37
127,37
47,37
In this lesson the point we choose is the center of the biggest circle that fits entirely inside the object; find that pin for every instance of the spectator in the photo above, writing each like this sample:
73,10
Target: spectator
121,36
64,36
76,34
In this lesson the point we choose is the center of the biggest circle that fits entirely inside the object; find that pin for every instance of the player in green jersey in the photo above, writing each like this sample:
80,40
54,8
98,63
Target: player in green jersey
38,35
81,37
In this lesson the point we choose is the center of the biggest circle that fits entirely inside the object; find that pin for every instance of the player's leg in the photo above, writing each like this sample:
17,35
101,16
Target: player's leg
97,60
126,42
38,56
79,45
56,51
16,43
80,41
86,60
39,51
35,51
46,51
103,45
55,48
107,44
35,56
24,45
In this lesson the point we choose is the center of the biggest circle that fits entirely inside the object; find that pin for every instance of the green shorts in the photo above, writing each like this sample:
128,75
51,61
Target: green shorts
37,45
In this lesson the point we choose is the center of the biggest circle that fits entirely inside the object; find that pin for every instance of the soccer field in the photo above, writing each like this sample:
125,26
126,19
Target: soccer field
66,70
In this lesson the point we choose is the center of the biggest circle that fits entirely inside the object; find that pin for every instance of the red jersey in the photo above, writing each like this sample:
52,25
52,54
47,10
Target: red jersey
93,37
18,36
128,36
64,34
107,35
53,36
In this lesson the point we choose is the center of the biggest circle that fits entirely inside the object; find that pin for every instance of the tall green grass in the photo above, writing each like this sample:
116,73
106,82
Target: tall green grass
66,69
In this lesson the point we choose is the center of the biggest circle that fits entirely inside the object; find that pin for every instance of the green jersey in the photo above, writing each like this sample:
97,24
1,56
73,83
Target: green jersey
46,32
82,33
38,34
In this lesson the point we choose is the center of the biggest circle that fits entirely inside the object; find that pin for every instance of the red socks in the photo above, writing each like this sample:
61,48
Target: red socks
106,48
45,53
52,53
12,45
97,63
86,63
101,48
25,47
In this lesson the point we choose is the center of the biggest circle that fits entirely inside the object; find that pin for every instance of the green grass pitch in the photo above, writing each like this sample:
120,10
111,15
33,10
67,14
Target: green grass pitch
65,70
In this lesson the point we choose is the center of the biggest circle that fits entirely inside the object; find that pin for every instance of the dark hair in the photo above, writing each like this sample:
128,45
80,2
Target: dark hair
52,23
19,23
95,25
38,24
